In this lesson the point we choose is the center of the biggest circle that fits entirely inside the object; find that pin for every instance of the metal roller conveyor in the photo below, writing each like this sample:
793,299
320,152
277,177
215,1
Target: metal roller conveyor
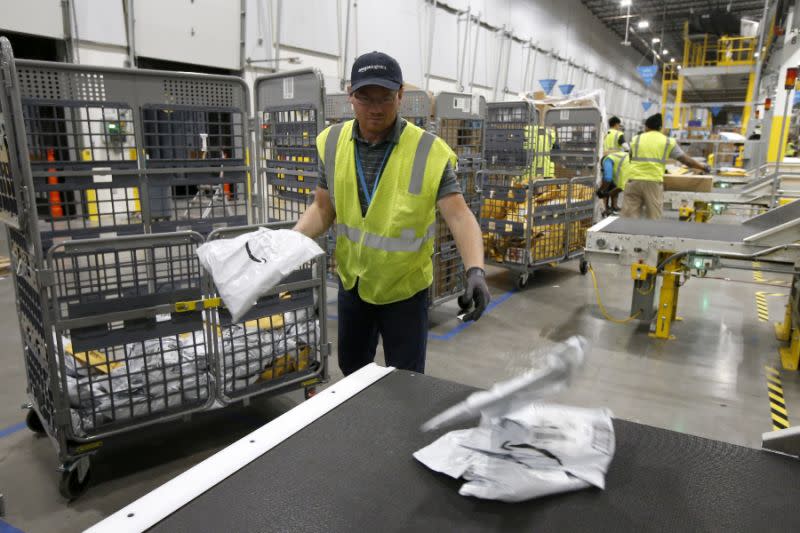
673,251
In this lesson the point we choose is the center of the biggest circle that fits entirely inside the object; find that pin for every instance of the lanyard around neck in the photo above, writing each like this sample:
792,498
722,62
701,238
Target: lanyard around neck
361,176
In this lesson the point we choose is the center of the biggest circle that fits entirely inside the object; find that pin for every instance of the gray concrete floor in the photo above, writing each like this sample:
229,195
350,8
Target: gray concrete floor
709,381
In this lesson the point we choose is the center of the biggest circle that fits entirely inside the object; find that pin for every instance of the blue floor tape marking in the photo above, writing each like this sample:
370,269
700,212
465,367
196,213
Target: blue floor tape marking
5,432
464,325
5,527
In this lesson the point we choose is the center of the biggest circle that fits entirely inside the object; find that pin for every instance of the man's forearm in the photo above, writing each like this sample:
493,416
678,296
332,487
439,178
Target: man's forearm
313,222
467,234
689,162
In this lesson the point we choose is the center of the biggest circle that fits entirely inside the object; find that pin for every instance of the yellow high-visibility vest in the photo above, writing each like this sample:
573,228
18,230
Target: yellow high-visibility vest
611,142
621,165
388,251
649,153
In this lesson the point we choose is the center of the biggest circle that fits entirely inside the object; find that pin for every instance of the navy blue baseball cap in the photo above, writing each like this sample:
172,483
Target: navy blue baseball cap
376,68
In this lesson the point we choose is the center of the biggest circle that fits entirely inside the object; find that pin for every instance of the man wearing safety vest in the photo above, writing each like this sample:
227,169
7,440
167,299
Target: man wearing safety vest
615,172
615,139
541,140
644,188
381,180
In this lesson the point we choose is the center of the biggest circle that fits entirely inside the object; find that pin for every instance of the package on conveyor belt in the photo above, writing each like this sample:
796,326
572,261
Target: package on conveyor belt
246,267
524,448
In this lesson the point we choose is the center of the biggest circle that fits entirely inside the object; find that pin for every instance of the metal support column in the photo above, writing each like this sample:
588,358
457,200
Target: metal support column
667,300
676,113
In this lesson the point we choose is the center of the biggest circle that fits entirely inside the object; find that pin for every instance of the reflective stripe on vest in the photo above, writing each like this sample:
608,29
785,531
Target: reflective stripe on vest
611,143
330,158
407,242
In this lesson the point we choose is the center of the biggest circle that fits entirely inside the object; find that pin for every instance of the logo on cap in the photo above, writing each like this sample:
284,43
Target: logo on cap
372,67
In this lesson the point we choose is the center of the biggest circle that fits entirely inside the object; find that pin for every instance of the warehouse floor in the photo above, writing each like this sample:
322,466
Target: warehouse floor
709,381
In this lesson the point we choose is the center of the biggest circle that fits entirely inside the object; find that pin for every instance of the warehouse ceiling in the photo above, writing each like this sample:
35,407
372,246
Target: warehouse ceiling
666,19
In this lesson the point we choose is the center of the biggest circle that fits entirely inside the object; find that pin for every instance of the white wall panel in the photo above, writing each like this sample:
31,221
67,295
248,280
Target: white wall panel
37,17
318,29
101,21
394,28
204,32
444,61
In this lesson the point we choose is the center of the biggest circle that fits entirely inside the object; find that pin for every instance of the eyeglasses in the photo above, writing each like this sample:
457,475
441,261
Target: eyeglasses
366,101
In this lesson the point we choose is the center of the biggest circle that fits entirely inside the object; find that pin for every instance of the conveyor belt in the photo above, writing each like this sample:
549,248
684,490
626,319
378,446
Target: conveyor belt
673,228
352,470
775,217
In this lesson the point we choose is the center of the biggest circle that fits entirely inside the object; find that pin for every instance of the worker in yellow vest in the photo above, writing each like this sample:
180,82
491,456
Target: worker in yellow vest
615,138
644,188
615,171
381,180
540,140
791,149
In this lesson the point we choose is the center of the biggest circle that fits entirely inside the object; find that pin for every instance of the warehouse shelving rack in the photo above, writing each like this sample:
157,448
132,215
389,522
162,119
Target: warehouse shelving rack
530,221
460,120
109,181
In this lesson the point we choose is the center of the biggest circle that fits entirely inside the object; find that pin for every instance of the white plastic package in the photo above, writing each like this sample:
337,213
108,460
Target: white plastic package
246,267
524,448
535,451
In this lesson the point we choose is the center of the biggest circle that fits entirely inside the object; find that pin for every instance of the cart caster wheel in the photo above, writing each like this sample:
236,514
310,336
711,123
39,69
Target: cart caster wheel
34,423
310,392
584,267
522,281
74,482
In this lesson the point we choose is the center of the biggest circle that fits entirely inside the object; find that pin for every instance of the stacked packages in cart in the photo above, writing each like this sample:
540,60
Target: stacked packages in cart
151,376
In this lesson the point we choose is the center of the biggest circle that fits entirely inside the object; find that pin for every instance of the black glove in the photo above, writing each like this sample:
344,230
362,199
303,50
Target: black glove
476,292
707,169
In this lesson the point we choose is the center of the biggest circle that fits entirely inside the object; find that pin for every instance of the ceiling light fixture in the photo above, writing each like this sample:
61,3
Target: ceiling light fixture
625,3
671,59
656,40
664,51
642,24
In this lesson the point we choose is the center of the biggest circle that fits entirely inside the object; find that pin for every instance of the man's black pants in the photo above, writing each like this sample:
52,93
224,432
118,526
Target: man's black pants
403,326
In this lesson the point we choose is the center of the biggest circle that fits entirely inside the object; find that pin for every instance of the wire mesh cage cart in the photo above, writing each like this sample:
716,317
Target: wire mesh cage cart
528,219
290,109
109,181
576,156
459,119
509,133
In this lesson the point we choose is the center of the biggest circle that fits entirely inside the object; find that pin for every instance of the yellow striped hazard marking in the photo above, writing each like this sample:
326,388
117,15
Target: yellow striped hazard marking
761,304
757,275
777,405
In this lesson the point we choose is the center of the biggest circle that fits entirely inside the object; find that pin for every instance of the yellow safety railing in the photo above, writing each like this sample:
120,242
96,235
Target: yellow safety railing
736,51
709,51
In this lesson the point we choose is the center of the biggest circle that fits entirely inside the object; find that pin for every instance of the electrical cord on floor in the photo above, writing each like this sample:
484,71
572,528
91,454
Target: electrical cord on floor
602,307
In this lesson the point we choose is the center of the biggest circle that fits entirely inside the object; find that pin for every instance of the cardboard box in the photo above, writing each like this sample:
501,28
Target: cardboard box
688,182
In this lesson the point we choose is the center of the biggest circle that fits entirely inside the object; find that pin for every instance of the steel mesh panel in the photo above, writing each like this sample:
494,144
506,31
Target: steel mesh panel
289,160
199,92
265,351
123,372
68,134
464,136
89,283
49,84
39,388
577,233
112,385
8,190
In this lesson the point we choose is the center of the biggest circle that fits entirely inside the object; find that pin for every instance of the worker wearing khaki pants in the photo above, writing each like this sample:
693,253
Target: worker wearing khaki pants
644,190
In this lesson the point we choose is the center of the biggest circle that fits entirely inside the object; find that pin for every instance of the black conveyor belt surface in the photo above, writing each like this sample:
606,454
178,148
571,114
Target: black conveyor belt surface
674,228
352,470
